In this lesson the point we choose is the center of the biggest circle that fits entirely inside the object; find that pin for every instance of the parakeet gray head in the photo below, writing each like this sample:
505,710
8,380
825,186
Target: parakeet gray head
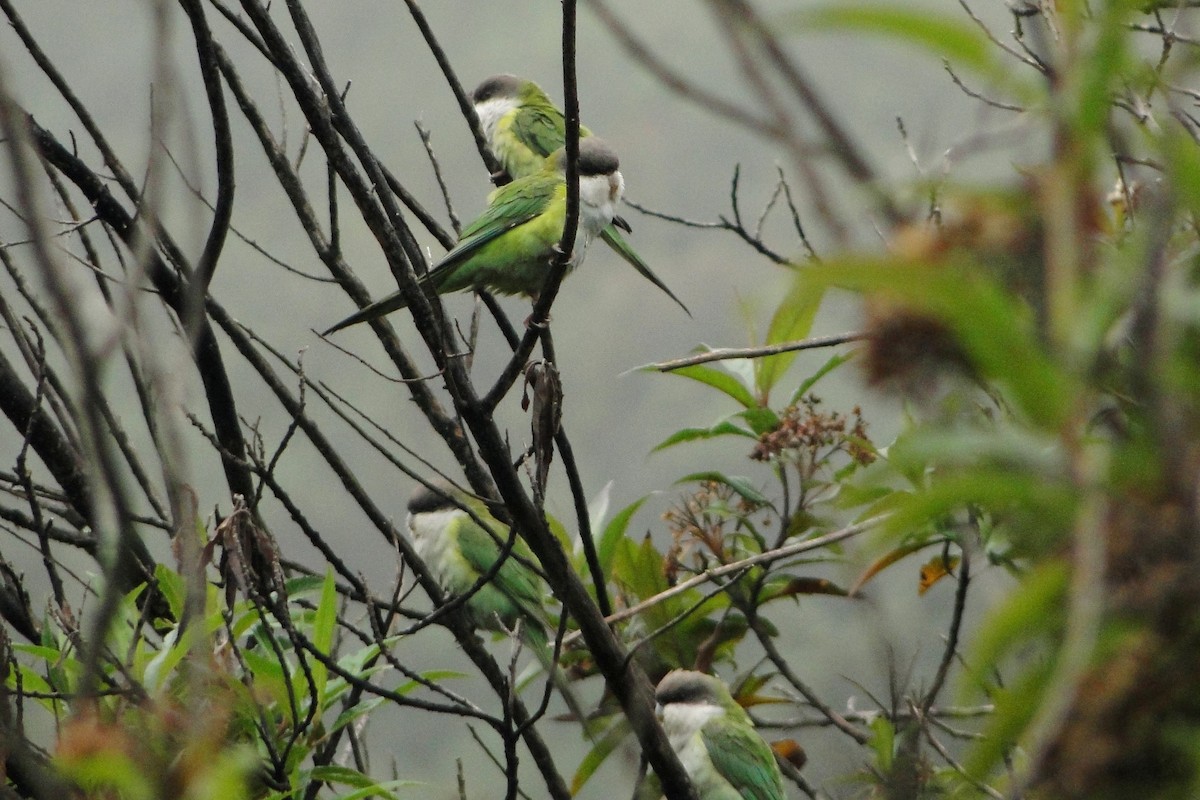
423,499
595,158
685,686
715,739
497,87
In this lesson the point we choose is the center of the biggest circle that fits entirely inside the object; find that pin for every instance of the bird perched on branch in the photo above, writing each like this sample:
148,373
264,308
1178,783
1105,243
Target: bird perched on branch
522,127
509,249
459,552
715,739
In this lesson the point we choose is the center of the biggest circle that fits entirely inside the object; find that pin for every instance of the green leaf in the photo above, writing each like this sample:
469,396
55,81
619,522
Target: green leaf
168,657
1182,163
883,742
31,681
600,751
614,532
1050,505
170,585
569,543
324,625
852,495
430,676
224,777
121,632
793,320
722,428
304,584
1035,608
829,366
338,686
48,654
1010,446
356,661
356,711
332,773
639,569
267,672
741,486
597,507
959,41
364,784
109,769
1102,66
384,789
996,330
761,420
1015,707
719,380
745,370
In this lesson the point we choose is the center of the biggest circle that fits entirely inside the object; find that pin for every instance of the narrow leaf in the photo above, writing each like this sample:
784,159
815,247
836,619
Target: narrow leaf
323,628
883,742
615,532
792,586
961,42
793,320
934,570
995,329
721,381
170,586
722,428
741,486
761,420
829,366
886,560
600,751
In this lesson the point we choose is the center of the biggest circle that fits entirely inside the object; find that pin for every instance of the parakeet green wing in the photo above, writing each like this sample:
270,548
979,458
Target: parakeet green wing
743,759
514,580
509,207
450,275
542,128
523,126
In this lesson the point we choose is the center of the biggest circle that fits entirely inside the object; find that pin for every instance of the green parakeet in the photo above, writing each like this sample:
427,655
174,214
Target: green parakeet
715,739
522,127
510,247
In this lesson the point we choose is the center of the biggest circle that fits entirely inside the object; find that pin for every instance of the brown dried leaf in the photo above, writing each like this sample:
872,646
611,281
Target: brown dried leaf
934,570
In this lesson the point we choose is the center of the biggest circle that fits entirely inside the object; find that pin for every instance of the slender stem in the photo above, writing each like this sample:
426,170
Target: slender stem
726,353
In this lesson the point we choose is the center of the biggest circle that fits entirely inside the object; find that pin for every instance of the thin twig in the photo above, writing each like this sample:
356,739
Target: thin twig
427,141
726,353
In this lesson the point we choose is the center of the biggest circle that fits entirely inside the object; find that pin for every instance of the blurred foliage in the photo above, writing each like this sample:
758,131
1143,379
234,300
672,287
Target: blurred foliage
196,711
1040,330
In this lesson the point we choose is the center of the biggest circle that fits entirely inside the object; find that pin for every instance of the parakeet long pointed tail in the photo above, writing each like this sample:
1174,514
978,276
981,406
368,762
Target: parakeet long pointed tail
617,242
543,649
393,302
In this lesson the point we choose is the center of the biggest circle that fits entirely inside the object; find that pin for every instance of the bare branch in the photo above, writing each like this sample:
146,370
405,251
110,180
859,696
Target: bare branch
726,353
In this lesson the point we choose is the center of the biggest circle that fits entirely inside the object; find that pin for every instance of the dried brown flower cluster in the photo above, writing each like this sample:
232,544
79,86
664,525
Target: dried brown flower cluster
808,437
698,524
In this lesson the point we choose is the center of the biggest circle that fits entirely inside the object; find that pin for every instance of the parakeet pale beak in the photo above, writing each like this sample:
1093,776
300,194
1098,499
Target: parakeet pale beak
615,187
